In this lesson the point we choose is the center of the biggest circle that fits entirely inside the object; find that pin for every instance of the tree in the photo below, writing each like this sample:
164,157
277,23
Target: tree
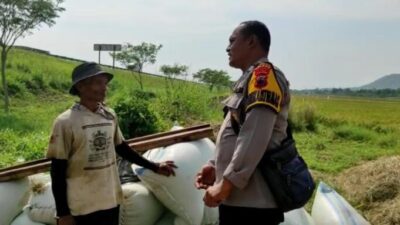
214,78
19,18
134,57
174,90
172,72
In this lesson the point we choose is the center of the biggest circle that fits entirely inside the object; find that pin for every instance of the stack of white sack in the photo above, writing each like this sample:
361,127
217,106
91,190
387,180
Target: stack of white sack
24,219
41,207
329,208
178,193
13,197
294,217
144,202
139,206
298,217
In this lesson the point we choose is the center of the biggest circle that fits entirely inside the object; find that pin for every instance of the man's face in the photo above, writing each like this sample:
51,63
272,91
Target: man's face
93,88
238,48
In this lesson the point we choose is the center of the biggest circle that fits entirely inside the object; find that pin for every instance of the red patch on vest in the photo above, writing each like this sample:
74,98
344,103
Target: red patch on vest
261,75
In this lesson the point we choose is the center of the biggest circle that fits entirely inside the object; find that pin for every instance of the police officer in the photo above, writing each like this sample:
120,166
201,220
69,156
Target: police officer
255,121
83,147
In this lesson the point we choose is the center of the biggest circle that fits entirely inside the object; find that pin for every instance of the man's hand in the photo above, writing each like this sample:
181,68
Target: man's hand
166,168
217,193
66,220
205,178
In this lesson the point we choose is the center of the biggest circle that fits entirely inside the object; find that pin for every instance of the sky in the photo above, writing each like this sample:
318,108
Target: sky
316,43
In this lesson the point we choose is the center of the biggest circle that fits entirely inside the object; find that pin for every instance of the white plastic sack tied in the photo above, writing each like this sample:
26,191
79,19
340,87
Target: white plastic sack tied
298,217
178,193
41,207
23,219
13,197
330,208
139,207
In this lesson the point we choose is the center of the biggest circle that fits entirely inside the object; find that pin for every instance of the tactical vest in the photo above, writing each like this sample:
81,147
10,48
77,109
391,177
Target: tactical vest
257,86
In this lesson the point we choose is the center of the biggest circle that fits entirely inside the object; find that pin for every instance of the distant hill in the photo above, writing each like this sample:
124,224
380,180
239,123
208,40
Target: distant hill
391,81
385,87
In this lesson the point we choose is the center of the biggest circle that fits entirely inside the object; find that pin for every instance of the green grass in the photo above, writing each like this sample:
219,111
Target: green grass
372,113
332,134
349,131
39,84
34,68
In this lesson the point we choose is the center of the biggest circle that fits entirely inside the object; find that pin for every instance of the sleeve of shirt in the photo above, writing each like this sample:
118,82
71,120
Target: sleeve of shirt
118,136
58,173
251,145
60,141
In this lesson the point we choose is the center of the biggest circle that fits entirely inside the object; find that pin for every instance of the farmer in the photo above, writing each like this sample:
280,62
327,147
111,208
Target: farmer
82,149
255,121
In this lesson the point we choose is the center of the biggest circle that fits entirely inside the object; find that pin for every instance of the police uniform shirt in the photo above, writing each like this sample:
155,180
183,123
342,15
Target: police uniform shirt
262,92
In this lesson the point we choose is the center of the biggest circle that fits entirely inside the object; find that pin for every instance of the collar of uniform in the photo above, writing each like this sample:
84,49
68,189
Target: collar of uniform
79,107
245,76
101,110
251,68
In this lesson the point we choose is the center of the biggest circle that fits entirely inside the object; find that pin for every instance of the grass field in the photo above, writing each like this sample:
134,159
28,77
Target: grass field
39,84
349,131
369,112
355,148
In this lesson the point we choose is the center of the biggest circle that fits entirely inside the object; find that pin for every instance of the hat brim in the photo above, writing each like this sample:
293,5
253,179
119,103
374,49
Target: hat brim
74,91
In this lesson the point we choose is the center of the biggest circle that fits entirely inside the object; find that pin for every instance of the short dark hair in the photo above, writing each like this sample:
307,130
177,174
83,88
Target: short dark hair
260,30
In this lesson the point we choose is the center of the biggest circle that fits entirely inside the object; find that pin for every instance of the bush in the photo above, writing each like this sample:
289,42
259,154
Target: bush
59,85
388,141
19,147
145,95
23,68
36,84
135,117
185,104
32,146
303,118
353,133
14,89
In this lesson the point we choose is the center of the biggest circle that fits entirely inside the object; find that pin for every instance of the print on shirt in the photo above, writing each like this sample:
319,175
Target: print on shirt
100,149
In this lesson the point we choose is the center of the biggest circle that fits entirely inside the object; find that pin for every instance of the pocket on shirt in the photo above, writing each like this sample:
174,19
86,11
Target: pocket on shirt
233,101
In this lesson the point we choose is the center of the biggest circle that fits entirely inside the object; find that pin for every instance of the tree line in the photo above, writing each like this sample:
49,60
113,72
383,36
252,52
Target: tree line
381,93
135,57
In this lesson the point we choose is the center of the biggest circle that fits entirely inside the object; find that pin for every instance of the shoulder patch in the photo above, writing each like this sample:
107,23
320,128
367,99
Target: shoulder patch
264,89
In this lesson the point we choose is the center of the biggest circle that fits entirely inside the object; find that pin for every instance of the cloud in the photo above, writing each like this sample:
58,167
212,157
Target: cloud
329,9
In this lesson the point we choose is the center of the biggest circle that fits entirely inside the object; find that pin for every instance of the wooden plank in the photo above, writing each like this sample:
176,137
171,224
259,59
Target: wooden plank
138,144
34,167
145,145
151,136
35,162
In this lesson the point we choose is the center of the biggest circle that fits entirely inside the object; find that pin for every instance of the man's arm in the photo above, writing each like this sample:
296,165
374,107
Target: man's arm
126,152
251,144
58,151
58,174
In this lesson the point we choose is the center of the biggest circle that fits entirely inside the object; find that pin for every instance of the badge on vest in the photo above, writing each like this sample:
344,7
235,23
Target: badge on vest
261,75
264,89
